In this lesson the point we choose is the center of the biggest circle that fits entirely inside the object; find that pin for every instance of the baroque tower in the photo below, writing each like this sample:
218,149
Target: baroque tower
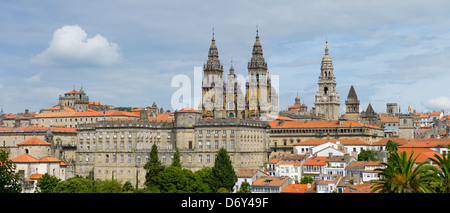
212,85
327,99
258,85
352,105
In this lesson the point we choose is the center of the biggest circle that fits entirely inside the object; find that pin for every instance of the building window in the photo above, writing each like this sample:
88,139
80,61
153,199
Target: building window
200,144
200,158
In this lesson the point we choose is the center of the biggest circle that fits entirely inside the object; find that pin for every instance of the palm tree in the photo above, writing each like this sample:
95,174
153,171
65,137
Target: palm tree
440,179
402,175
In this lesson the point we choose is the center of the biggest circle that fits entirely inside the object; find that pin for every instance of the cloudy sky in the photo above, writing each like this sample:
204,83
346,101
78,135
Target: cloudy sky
126,53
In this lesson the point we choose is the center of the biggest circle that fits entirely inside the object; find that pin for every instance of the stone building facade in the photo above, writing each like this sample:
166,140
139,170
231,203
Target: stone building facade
120,148
284,134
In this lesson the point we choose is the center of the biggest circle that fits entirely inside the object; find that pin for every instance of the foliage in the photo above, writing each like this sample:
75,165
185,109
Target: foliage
106,186
440,178
245,188
153,168
366,155
306,179
127,187
47,183
80,184
176,159
391,146
402,175
9,179
223,174
223,190
177,180
173,180
75,184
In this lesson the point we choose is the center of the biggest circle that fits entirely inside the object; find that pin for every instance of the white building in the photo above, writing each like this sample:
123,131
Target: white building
369,172
247,175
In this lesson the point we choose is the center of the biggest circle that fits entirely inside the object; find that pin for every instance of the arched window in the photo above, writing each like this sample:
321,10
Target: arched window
326,90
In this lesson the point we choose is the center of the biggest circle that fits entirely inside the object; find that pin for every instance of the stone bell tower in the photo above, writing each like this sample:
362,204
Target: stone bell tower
327,99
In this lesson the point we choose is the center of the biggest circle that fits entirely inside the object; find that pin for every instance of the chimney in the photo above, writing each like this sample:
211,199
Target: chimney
447,129
355,179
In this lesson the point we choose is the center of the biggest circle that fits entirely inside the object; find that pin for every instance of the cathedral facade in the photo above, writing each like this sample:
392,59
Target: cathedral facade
225,99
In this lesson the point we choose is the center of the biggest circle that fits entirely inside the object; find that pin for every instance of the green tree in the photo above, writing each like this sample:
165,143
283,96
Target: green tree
176,158
106,186
127,187
47,183
391,146
306,179
204,177
173,180
223,174
440,178
10,181
153,169
245,188
366,155
402,175
75,184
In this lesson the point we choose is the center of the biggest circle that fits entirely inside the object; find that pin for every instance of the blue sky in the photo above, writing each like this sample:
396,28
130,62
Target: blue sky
126,53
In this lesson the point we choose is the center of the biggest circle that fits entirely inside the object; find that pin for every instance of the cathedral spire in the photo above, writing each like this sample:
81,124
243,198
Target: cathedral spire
213,62
326,65
257,60
231,67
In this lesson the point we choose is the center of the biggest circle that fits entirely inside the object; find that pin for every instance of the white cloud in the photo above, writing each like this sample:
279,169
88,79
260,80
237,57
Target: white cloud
34,78
71,47
439,103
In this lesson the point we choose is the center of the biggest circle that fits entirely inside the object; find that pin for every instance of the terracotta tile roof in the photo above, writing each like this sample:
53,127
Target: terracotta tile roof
67,109
360,188
316,161
270,181
275,160
36,176
295,188
315,142
383,141
85,114
188,109
36,128
427,143
305,124
295,163
246,172
280,117
34,142
422,154
355,165
374,163
389,119
295,106
25,158
435,113
49,159
72,92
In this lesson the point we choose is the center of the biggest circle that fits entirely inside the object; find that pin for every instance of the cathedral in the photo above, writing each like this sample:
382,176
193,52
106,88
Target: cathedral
225,99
